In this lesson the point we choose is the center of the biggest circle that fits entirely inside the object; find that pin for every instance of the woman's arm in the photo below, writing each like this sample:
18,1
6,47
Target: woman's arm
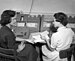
47,40
49,45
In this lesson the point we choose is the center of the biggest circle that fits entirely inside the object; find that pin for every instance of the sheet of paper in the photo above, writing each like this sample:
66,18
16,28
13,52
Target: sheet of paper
22,40
45,34
38,38
29,40
19,39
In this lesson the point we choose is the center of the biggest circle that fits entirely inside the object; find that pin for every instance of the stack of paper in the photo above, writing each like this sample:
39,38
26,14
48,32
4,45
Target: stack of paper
38,39
37,36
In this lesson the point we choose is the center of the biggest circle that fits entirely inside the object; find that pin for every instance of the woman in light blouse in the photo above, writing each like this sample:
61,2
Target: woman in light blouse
60,40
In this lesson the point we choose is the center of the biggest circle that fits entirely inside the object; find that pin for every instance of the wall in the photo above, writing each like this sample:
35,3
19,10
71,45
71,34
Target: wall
39,6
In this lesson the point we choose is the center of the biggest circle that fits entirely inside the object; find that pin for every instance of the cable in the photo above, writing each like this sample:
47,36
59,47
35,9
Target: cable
31,6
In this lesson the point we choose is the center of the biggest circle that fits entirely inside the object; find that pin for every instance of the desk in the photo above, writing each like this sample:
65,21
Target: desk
18,39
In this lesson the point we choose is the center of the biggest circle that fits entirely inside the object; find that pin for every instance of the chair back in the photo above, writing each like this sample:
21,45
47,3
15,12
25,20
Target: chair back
67,53
8,53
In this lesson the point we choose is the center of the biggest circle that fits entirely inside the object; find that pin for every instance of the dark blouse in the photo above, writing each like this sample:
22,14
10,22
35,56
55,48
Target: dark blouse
7,38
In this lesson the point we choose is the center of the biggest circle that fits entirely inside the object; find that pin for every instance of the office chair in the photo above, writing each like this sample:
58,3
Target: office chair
8,54
67,53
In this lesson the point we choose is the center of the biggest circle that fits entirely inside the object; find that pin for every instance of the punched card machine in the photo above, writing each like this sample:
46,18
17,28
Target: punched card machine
20,30
33,23
26,24
71,24
46,21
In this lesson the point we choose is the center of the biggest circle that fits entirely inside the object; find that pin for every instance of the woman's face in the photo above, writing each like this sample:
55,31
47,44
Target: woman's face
56,24
13,20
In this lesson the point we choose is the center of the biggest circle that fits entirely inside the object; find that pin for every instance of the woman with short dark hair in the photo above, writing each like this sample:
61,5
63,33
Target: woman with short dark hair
60,40
26,52
6,17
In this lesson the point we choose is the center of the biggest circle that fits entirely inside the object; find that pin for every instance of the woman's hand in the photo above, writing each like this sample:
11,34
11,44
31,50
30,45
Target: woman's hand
21,47
42,37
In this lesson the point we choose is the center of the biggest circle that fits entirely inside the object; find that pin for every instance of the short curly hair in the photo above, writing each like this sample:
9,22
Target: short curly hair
61,17
6,17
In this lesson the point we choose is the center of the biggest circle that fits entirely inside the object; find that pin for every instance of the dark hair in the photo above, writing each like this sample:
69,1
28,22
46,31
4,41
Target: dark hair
61,17
52,28
6,17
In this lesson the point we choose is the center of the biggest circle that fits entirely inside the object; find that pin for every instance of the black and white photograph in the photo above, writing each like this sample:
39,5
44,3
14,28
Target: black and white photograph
37,30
